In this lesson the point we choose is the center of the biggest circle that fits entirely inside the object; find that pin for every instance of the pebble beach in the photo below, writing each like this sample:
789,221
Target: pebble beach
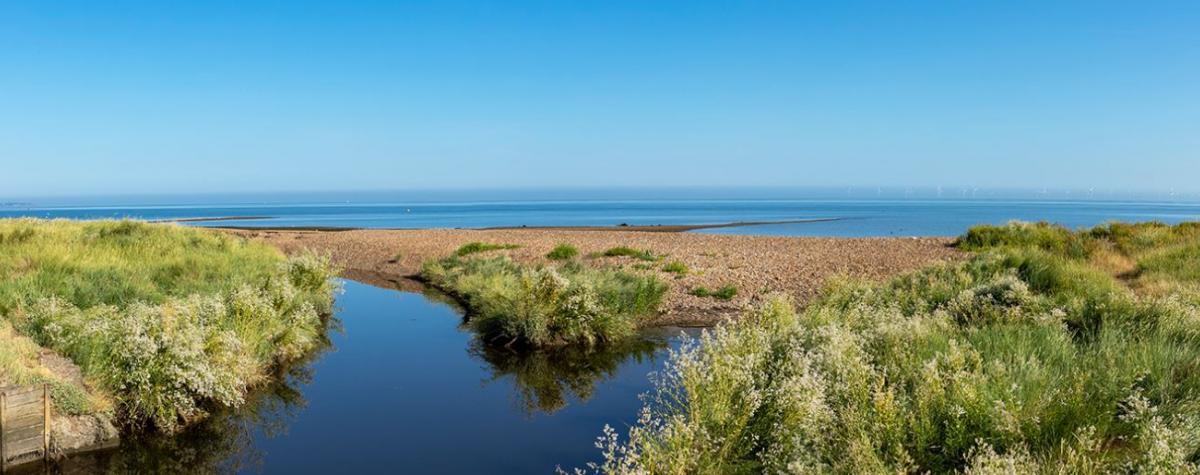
755,265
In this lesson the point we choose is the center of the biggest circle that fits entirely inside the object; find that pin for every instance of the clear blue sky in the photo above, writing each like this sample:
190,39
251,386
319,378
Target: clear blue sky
152,97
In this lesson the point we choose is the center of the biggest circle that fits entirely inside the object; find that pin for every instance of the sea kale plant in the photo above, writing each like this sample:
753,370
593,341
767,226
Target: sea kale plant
1034,355
170,321
516,304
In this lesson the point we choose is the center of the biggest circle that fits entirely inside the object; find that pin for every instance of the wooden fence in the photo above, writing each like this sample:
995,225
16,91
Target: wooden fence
24,425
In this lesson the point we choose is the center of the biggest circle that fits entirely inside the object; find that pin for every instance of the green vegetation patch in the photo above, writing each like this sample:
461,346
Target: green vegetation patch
727,292
169,320
511,303
1026,358
623,251
477,247
676,267
1155,258
562,252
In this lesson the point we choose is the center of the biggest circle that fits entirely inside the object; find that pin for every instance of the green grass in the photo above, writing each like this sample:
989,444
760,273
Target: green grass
1029,357
1155,258
623,251
727,292
170,321
20,365
477,247
676,267
562,252
1179,263
538,306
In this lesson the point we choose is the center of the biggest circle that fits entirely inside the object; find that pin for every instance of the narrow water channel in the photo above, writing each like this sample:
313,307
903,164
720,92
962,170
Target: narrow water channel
403,388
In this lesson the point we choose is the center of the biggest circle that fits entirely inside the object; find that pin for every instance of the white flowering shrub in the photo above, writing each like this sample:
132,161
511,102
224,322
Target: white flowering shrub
1011,362
166,362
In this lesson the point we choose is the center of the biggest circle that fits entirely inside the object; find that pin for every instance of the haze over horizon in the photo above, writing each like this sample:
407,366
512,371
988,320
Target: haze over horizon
147,97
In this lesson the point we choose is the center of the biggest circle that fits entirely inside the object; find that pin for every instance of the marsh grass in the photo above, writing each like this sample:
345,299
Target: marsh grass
478,247
726,292
168,320
1026,358
562,252
537,306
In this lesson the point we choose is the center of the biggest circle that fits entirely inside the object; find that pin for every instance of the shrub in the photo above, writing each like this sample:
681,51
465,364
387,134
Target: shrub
622,251
511,303
1022,359
168,320
562,252
477,247
727,292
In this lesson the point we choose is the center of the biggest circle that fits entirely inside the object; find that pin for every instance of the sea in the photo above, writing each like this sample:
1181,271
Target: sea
848,212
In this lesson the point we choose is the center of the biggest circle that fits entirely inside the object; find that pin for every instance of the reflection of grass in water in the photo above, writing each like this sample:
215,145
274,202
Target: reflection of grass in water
221,443
546,379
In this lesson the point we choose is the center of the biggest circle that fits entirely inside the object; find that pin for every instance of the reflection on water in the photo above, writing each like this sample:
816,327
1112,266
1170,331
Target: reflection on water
404,388
544,380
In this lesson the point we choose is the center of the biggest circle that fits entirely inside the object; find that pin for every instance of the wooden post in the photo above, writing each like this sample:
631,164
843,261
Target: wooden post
3,406
45,421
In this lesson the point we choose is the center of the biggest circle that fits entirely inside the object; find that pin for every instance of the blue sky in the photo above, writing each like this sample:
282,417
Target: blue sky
154,97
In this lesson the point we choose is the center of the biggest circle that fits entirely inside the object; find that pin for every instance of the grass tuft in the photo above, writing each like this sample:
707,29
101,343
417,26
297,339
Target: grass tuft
623,251
477,247
727,292
511,303
676,267
562,252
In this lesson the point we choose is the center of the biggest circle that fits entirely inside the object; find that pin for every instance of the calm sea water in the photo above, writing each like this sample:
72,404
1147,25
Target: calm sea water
855,215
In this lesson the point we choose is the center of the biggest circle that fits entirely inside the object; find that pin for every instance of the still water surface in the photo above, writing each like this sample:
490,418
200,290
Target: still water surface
402,388
850,217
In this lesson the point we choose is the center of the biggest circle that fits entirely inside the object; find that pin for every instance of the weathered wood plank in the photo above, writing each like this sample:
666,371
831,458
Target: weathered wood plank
24,423
16,398
14,433
46,421
22,433
28,420
17,410
3,415
23,447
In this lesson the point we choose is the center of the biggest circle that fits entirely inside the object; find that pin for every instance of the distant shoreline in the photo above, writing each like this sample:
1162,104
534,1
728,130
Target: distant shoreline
216,218
650,228
666,228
